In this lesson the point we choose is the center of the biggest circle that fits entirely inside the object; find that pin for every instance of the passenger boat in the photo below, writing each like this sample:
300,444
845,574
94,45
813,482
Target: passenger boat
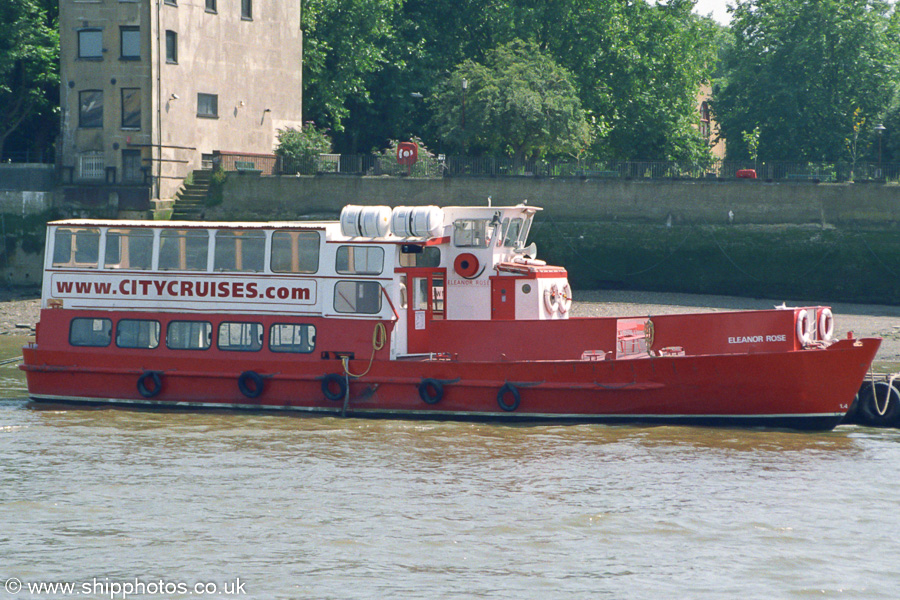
421,312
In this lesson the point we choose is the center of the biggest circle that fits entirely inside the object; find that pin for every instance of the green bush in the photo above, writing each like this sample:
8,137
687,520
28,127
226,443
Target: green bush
299,149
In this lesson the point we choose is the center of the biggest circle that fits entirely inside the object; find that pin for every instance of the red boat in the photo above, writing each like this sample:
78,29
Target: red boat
411,312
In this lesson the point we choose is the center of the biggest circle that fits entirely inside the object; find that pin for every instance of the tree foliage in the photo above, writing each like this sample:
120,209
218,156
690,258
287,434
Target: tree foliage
519,102
29,64
805,72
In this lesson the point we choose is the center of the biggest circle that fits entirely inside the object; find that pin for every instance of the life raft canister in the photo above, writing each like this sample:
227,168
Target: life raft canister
804,327
466,265
551,299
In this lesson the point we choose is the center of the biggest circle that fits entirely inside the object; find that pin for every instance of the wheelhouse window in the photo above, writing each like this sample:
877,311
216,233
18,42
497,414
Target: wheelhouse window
183,249
171,47
240,250
240,337
512,230
130,42
137,333
289,337
430,256
359,260
90,109
90,332
129,249
295,252
470,233
76,247
207,105
90,44
131,108
188,335
360,297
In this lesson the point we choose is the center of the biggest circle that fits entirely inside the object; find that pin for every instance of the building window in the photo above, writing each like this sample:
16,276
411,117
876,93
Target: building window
90,109
171,2
207,105
91,164
130,43
171,47
211,6
90,43
705,129
247,9
131,108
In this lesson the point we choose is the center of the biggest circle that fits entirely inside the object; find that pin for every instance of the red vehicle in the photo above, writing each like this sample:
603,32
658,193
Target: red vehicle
411,312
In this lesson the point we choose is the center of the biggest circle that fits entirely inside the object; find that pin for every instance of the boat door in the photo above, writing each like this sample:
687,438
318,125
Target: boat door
426,304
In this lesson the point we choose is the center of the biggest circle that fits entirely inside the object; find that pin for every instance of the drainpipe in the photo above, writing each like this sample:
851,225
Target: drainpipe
159,53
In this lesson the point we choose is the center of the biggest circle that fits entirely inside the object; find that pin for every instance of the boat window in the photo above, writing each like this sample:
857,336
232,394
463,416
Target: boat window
363,297
240,337
429,257
359,260
90,332
295,251
240,250
511,231
284,337
76,247
134,333
183,249
188,335
470,233
129,248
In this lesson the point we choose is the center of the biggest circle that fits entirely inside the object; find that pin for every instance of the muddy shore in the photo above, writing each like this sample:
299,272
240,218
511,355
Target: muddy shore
20,308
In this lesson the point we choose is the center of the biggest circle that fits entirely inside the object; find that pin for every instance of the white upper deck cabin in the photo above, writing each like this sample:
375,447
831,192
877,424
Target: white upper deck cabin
412,265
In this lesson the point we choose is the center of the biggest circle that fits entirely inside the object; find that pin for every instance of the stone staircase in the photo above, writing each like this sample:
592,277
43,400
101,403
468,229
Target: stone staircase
190,201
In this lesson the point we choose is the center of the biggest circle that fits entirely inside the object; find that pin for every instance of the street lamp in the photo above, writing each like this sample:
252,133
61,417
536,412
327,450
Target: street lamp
465,86
880,129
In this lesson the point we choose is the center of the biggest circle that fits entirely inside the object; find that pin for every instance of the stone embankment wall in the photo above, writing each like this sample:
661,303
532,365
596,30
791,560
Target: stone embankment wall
26,203
785,241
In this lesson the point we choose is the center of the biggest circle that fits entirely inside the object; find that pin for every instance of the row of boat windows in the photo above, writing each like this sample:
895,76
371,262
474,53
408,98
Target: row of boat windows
192,335
233,251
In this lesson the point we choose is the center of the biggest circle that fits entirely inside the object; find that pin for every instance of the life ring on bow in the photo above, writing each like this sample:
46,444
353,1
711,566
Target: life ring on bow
431,391
565,299
149,391
251,384
551,299
332,381
508,388
804,327
466,266
826,325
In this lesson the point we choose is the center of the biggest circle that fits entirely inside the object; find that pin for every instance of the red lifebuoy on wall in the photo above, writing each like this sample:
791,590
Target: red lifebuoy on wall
466,266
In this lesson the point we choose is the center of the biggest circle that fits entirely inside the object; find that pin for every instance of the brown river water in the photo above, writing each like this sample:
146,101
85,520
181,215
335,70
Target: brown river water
140,504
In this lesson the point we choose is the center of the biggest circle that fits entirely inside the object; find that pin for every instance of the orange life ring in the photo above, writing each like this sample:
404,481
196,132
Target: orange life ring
466,266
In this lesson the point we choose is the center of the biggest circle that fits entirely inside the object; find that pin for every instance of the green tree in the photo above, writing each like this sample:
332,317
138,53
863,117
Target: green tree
519,102
29,64
345,43
301,147
805,72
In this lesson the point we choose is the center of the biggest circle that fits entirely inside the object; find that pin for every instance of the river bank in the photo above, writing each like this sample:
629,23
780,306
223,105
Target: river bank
20,310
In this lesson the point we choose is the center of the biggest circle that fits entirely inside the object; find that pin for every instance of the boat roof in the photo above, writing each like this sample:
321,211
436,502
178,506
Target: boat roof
193,224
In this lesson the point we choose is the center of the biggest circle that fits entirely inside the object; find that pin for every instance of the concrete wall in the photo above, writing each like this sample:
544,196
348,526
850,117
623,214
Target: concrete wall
795,241
651,201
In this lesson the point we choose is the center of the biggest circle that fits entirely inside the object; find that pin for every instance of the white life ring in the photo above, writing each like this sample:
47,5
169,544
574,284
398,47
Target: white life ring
826,325
565,300
804,327
551,299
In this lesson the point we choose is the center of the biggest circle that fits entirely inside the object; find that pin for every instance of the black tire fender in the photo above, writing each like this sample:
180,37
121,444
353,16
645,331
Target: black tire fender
508,388
431,391
155,387
334,379
251,384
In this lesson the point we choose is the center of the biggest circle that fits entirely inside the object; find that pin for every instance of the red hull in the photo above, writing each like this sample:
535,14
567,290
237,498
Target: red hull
809,389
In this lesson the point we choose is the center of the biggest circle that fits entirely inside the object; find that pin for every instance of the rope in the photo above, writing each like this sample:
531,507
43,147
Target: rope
881,262
379,337
10,360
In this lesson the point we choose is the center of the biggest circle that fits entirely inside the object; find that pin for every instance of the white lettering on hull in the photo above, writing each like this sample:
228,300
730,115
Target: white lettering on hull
757,339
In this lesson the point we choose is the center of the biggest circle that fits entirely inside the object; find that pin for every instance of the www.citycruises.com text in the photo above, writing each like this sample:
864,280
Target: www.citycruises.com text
121,590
